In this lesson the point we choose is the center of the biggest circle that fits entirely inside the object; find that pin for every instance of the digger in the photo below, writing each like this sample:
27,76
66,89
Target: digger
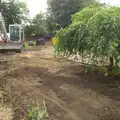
15,40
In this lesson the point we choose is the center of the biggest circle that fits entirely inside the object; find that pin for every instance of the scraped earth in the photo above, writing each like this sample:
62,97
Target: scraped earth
69,94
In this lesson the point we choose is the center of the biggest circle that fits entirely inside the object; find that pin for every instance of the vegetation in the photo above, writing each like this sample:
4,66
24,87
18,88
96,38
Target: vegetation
39,25
94,33
36,112
14,12
61,10
58,15
29,30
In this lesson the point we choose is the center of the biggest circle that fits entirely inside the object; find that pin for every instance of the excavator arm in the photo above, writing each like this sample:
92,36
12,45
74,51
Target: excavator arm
3,28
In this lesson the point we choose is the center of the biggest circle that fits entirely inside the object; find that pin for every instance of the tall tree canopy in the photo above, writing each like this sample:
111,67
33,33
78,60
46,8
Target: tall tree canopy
61,10
13,11
39,25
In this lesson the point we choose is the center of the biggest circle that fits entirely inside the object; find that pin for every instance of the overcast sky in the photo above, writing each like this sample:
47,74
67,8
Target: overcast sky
112,2
35,6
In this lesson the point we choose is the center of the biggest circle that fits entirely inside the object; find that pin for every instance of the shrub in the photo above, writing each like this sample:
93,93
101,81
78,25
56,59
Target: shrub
94,31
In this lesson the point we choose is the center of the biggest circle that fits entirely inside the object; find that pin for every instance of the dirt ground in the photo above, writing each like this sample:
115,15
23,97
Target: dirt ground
69,94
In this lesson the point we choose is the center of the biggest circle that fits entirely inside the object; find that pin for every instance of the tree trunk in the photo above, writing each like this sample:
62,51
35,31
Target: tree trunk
111,60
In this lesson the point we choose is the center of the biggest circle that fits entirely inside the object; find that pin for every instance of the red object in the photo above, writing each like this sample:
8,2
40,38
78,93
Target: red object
5,41
1,39
21,42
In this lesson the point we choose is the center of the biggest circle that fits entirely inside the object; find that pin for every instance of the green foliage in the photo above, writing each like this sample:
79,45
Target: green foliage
115,71
71,38
94,31
118,60
49,23
30,47
103,29
29,30
40,25
58,16
13,12
37,112
95,69
86,13
90,69
61,10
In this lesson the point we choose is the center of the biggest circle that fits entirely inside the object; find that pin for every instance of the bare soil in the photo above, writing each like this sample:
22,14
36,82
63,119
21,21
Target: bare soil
69,94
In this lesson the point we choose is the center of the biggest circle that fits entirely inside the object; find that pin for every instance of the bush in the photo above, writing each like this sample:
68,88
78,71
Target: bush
37,111
94,31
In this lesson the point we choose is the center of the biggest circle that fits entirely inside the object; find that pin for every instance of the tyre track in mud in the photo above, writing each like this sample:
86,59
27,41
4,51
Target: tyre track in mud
43,93
55,101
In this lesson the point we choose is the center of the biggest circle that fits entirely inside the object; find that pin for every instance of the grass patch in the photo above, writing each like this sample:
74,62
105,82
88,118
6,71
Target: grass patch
93,69
105,70
29,47
36,111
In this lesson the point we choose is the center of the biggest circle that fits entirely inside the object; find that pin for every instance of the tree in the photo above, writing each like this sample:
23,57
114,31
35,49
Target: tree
94,33
61,10
50,23
29,30
13,12
39,23
104,29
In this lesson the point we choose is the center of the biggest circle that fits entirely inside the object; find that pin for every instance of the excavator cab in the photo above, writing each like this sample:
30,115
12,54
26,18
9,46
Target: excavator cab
16,33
